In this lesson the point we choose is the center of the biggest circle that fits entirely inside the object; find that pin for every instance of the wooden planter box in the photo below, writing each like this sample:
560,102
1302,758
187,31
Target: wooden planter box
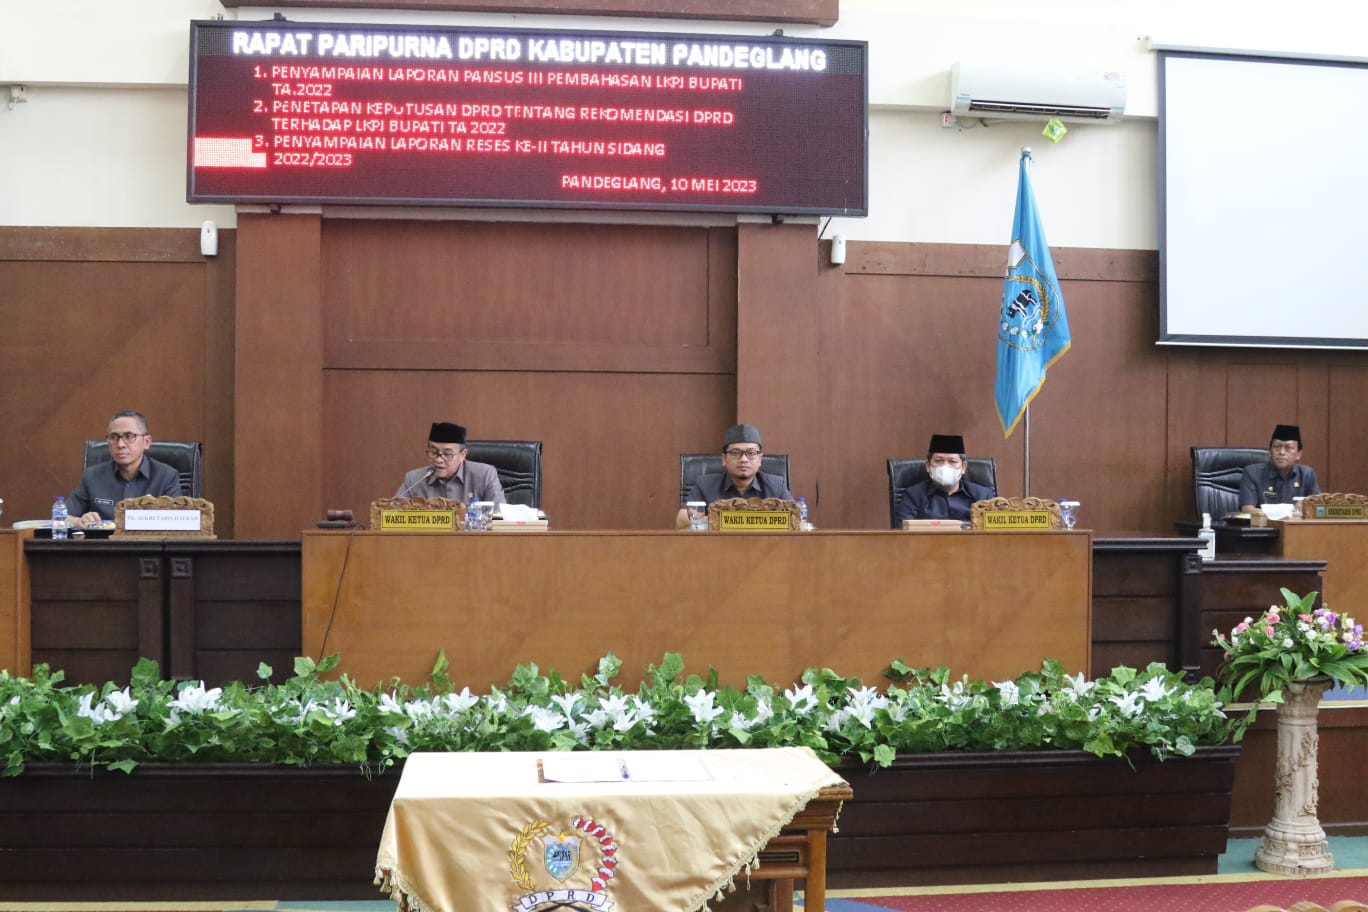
1006,816
242,832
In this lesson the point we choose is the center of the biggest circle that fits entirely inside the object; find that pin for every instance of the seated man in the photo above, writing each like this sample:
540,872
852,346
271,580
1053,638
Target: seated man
1281,478
946,494
130,472
448,473
742,455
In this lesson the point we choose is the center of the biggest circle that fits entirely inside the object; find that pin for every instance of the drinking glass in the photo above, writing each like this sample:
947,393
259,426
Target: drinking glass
698,515
1068,512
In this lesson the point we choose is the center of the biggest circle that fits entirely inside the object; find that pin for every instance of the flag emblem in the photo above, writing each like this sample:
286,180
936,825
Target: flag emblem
1033,330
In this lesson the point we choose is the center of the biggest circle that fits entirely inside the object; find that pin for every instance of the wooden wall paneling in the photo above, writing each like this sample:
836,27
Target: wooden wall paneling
1196,417
1343,466
1259,396
777,345
124,312
14,603
280,447
1097,425
220,277
615,345
523,296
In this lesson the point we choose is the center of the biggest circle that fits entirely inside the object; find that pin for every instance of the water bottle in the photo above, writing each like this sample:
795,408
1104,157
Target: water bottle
59,519
472,522
803,523
1208,537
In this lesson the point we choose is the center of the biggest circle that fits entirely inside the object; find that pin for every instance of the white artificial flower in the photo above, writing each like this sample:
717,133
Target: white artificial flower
1154,690
763,712
625,722
121,701
1077,686
194,698
954,697
399,735
580,730
739,720
614,705
418,710
863,713
340,711
1287,642
1011,693
835,720
801,699
596,718
644,710
567,703
1129,704
547,720
459,703
701,705
497,703
388,704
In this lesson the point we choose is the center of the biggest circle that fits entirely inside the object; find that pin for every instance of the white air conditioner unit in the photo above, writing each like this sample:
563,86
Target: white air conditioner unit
1024,94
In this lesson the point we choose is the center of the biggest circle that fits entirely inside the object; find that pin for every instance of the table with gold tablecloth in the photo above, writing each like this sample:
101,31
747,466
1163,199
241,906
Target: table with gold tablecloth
484,831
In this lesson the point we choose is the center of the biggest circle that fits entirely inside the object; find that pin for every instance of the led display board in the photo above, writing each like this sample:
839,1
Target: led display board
309,113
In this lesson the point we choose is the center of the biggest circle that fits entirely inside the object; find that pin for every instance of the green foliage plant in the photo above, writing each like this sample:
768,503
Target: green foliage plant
318,718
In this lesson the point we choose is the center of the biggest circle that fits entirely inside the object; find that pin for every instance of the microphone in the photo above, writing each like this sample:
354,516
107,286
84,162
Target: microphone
426,475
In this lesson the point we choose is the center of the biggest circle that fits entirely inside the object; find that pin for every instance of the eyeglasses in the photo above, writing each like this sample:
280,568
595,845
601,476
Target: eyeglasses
126,437
444,455
742,454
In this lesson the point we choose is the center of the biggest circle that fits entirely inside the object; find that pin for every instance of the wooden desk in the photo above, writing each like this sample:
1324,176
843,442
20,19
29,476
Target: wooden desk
990,605
475,831
14,596
203,609
1342,544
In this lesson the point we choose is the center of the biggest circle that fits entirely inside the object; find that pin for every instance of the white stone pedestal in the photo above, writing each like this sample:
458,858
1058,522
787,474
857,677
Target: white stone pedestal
1294,843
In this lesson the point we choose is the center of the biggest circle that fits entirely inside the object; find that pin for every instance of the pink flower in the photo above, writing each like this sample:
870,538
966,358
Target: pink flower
1269,630
1272,618
1241,627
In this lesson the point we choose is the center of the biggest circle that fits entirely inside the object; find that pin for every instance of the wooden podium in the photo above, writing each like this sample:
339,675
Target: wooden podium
1342,545
767,603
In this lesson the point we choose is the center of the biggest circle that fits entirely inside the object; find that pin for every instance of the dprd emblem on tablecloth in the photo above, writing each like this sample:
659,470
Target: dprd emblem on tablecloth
562,855
588,855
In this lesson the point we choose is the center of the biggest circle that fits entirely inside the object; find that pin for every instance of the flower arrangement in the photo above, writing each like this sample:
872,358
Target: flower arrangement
1291,644
310,720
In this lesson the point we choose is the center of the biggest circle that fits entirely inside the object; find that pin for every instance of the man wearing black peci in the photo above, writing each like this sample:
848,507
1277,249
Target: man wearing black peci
742,455
448,473
1282,477
946,493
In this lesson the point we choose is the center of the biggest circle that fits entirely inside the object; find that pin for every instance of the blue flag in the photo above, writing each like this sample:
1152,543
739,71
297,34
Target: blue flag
1033,330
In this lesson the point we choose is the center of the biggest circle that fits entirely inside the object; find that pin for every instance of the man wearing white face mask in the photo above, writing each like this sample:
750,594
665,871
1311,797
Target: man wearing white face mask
947,494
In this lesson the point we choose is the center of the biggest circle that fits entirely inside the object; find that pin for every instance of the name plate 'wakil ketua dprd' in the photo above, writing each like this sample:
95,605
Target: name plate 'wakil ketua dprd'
1016,514
417,514
755,514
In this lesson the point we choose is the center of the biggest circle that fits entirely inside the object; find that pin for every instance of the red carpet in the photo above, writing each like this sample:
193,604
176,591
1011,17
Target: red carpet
1207,894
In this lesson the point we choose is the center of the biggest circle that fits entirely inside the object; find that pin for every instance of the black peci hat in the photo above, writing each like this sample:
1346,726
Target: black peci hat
446,432
1286,432
946,443
742,433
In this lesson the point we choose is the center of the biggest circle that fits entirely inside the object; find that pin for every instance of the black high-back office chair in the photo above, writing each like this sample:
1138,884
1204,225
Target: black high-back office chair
185,456
692,465
1216,473
518,464
903,473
